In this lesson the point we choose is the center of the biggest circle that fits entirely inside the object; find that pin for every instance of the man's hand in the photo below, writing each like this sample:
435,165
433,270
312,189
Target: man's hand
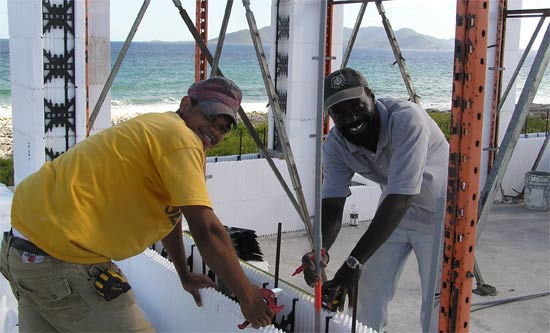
335,290
255,310
193,282
308,260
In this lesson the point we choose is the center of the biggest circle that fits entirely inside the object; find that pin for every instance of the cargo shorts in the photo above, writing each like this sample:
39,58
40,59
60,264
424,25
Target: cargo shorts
58,296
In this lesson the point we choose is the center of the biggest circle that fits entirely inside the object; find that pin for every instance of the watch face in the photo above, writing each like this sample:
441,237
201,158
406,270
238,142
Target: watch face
352,262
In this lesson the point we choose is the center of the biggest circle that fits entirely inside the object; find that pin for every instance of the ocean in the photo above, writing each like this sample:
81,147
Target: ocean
155,75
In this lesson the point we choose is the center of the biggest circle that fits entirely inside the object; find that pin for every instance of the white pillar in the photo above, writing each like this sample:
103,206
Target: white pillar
300,85
51,78
511,57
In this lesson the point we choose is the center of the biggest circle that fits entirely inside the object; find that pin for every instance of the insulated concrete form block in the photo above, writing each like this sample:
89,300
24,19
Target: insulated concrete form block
6,198
80,71
338,45
28,130
260,180
99,54
261,215
366,198
297,303
511,59
99,25
99,61
522,161
26,62
103,119
176,311
304,20
304,68
227,178
31,25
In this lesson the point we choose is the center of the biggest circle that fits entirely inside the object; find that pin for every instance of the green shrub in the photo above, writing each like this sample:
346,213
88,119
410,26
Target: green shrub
535,123
6,171
232,145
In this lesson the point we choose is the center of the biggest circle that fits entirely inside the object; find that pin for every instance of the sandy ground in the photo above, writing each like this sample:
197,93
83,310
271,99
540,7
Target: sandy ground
513,254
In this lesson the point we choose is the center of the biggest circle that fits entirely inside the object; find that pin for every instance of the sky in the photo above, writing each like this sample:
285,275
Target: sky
162,21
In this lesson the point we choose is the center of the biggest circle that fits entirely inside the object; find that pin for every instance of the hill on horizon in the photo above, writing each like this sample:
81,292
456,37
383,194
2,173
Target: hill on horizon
369,37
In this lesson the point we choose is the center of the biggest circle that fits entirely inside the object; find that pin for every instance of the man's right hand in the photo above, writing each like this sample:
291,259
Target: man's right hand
310,273
255,310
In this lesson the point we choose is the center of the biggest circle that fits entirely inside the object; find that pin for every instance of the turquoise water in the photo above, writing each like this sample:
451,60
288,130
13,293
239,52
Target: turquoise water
156,73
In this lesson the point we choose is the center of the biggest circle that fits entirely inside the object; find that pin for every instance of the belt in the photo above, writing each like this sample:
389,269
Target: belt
23,244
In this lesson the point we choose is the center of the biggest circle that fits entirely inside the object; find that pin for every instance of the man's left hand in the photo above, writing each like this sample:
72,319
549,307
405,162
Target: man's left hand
335,290
194,282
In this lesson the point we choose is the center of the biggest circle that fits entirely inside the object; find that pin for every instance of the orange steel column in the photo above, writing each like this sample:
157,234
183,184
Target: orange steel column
464,165
328,56
202,27
497,81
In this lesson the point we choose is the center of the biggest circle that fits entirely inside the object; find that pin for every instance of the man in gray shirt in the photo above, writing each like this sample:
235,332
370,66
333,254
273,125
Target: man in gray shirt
396,144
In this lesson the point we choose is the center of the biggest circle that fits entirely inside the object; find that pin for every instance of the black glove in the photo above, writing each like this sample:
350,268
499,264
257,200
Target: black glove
308,260
335,290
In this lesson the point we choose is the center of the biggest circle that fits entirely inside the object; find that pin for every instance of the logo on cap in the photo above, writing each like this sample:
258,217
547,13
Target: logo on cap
338,81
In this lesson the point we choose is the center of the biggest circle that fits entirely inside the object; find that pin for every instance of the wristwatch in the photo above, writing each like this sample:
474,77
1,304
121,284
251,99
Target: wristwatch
353,263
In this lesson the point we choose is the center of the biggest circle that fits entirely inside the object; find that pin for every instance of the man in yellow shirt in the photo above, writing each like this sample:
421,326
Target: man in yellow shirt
111,196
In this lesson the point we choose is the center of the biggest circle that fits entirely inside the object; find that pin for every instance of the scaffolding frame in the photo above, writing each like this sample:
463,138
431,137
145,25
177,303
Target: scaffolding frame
469,77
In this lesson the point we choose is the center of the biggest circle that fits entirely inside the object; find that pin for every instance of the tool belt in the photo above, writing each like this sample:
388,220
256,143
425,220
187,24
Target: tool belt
23,244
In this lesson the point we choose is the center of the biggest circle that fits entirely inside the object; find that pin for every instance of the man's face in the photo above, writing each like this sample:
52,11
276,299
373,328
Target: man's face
358,121
352,116
210,129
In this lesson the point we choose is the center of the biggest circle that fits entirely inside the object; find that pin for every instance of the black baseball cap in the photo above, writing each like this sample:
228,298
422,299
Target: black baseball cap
342,85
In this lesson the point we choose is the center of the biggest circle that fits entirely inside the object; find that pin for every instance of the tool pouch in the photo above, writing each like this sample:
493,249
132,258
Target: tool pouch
110,284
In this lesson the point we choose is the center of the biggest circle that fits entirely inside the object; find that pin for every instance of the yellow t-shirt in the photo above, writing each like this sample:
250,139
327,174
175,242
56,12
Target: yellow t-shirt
112,195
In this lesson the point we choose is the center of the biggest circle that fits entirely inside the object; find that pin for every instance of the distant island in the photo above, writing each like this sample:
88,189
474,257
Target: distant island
369,37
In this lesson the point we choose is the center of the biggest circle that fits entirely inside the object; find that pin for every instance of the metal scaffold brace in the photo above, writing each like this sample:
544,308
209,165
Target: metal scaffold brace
399,59
300,208
278,117
511,137
117,64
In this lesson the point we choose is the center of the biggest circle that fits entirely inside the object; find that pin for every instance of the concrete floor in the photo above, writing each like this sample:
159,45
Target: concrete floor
513,254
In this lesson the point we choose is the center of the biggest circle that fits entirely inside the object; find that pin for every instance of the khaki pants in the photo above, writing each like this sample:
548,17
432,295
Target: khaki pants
57,296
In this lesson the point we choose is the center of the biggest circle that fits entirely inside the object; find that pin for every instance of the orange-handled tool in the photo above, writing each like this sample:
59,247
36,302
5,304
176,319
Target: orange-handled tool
269,297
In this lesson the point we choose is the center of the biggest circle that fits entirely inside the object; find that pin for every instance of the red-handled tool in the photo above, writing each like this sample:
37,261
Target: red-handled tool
303,266
269,297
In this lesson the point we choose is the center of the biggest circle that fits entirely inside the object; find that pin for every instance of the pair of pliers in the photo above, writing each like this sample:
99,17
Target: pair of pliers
269,298
303,266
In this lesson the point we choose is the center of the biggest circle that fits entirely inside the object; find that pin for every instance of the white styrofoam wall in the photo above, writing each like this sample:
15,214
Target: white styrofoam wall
6,197
162,305
522,161
169,308
246,194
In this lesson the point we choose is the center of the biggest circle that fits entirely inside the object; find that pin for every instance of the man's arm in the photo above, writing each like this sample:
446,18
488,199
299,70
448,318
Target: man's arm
215,247
173,244
386,219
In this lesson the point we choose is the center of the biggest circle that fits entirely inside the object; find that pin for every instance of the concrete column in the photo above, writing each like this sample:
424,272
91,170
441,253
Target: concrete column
300,86
52,82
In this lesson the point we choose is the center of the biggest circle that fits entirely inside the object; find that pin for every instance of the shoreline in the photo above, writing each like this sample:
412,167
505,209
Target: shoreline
119,115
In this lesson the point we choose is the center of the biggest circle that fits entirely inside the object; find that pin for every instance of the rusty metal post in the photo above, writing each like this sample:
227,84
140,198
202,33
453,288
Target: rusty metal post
201,21
464,165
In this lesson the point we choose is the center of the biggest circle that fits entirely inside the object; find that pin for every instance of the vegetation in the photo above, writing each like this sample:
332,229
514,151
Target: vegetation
239,141
6,171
